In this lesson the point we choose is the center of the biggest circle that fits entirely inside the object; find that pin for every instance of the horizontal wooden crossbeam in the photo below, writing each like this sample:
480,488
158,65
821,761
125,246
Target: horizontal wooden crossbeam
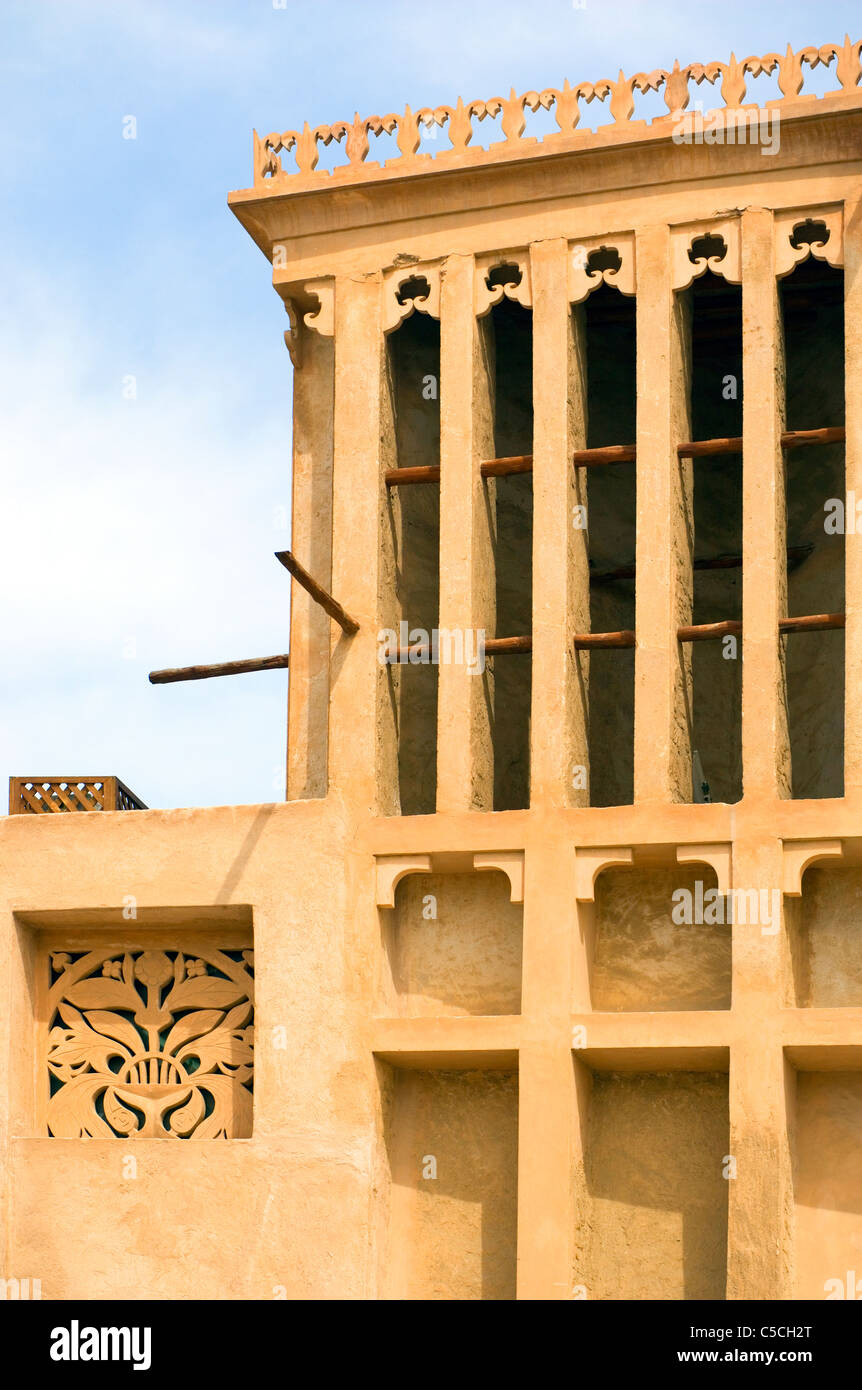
588,641
616,453
790,439
402,477
223,668
813,622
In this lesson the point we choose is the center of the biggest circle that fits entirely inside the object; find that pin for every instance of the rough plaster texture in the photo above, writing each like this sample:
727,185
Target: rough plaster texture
466,959
831,942
657,1224
453,1151
828,1185
643,959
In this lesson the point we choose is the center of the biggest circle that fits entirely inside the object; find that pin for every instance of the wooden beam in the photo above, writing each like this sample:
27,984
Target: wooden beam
504,468
586,641
703,448
329,604
424,473
708,632
493,646
224,668
790,439
502,646
610,453
812,622
797,439
615,453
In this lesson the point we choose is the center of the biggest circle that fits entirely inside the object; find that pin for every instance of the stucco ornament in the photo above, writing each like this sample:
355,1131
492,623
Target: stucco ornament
151,1044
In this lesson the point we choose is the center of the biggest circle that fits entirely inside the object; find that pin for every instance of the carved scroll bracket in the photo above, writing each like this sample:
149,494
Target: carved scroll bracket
500,275
391,868
800,854
321,319
309,304
509,862
293,334
589,863
718,856
408,289
816,232
595,261
704,246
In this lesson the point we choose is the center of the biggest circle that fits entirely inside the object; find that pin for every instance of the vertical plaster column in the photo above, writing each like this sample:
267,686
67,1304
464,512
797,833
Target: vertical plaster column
761,1094
561,593
311,542
362,751
765,740
663,592
465,765
853,467
546,1106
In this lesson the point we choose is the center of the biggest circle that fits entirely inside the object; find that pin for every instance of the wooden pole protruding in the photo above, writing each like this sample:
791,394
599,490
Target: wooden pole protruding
329,604
812,622
790,439
708,632
422,473
505,468
610,453
586,641
224,668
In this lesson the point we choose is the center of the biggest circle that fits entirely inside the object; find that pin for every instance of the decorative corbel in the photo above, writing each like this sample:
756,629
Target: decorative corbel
718,857
595,261
322,319
800,854
293,334
589,863
391,868
511,863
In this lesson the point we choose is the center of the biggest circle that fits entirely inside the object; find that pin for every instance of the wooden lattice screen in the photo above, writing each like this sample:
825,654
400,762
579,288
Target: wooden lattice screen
35,795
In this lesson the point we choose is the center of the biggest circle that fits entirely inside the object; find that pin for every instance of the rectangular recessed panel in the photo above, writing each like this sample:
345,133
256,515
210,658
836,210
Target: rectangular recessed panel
655,1224
452,1147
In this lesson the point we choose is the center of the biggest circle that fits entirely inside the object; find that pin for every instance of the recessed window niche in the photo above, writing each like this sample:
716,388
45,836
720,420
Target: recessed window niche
452,946
824,935
450,1174
650,950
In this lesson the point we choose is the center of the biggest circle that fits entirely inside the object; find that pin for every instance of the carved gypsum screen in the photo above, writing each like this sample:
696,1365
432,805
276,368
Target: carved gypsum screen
150,1037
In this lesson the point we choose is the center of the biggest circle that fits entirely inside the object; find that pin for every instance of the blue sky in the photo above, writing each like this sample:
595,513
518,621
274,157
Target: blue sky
138,532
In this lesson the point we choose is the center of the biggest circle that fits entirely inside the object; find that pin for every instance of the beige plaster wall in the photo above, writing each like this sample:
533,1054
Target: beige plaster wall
657,1205
465,959
828,1183
453,1235
831,938
643,959
213,1219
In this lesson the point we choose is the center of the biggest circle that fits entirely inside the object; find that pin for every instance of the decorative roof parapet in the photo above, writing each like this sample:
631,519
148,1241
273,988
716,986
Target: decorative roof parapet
304,145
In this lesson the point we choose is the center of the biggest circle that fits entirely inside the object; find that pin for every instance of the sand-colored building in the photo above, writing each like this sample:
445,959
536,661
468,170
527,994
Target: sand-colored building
545,981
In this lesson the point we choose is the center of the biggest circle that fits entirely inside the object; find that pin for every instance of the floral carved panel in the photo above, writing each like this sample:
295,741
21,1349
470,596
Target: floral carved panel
154,1043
